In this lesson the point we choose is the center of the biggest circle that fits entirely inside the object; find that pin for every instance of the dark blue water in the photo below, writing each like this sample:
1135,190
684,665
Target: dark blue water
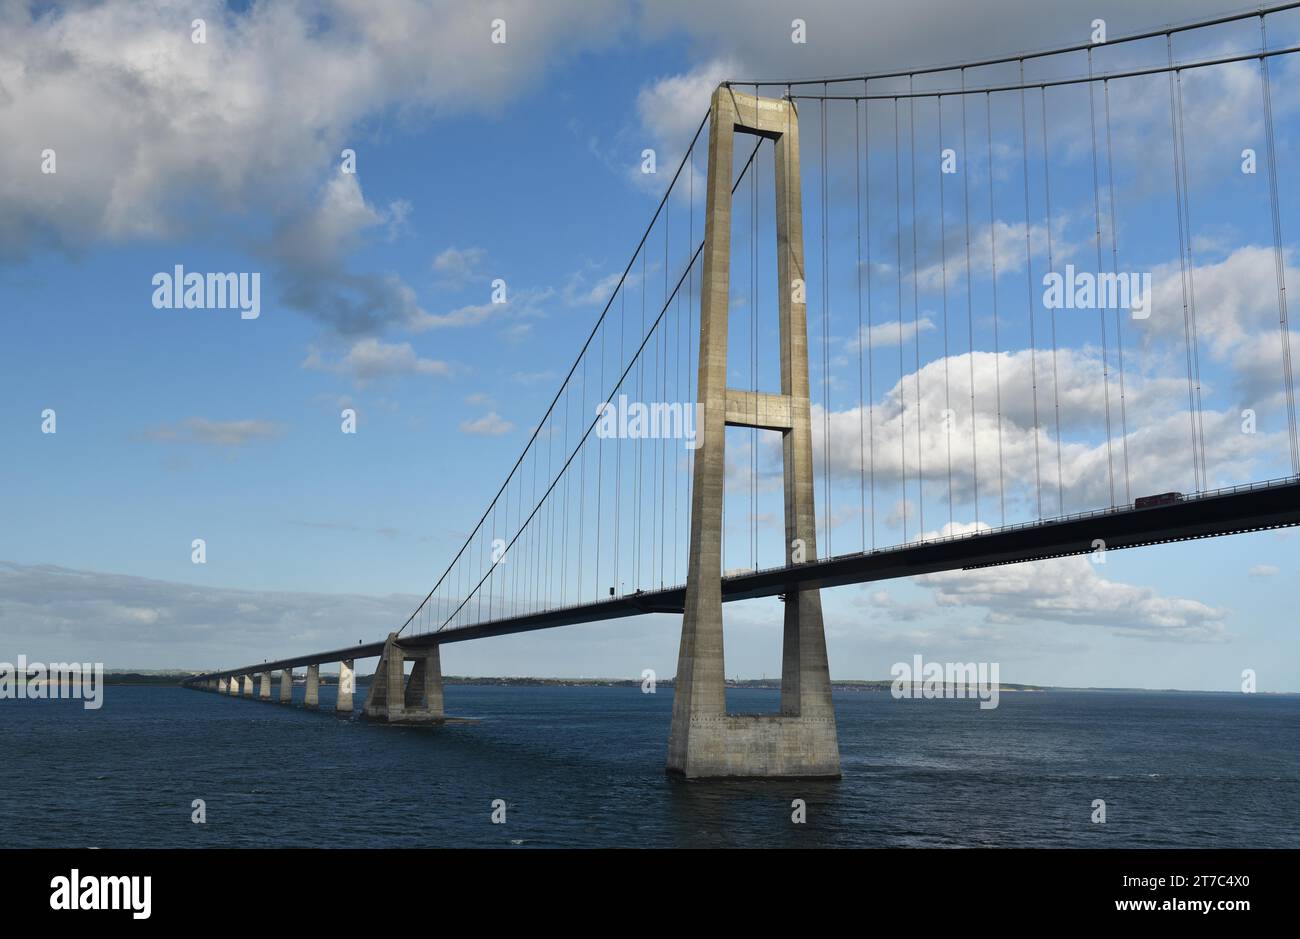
584,767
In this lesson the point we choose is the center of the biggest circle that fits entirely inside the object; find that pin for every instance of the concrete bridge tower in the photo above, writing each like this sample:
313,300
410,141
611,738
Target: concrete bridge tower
705,739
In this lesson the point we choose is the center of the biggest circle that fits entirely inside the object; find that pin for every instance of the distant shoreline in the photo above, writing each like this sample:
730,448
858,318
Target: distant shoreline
774,684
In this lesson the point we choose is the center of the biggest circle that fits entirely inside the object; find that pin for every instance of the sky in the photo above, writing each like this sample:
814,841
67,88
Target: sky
522,161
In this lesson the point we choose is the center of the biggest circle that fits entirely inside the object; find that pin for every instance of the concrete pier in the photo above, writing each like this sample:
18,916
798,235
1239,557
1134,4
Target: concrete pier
347,684
424,687
394,698
222,686
264,689
705,740
311,699
286,685
248,685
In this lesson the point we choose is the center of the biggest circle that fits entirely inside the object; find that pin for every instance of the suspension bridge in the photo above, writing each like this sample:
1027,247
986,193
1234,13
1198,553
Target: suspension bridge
992,317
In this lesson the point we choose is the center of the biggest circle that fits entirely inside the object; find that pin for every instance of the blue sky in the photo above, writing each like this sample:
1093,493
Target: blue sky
521,161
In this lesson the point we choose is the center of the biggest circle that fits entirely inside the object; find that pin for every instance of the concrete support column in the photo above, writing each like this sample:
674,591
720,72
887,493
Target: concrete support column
222,686
396,699
385,699
424,687
248,686
234,686
264,689
347,684
311,699
705,740
286,685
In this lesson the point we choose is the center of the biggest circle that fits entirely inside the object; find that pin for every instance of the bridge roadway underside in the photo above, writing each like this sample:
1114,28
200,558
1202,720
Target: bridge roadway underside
1236,512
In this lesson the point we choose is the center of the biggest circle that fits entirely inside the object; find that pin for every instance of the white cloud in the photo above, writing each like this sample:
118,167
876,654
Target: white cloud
311,246
1158,440
519,304
370,360
672,107
491,424
1236,312
456,266
216,433
1071,591
883,335
578,292
156,135
1009,240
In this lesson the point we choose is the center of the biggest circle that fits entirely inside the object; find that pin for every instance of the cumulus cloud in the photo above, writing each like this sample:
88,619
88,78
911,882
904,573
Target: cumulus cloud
370,360
882,335
1024,448
491,424
1236,303
216,433
581,290
1071,591
1001,243
156,135
669,110
519,305
311,247
159,137
455,266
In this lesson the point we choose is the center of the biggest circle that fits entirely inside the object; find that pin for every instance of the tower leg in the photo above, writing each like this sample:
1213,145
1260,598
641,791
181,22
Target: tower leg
424,687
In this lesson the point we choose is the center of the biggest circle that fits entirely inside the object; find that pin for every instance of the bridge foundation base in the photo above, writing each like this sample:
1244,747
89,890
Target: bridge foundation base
395,699
800,742
766,745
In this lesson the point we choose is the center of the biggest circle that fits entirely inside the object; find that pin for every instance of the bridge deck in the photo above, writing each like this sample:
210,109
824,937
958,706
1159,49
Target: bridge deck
1257,507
